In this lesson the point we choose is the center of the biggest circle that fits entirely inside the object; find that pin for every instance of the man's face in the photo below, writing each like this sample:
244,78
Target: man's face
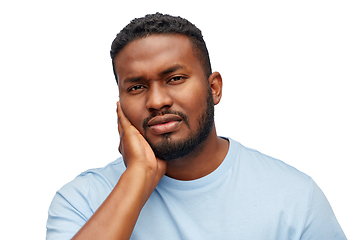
165,94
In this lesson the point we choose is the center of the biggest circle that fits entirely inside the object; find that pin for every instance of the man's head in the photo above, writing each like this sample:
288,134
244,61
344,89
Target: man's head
165,92
162,24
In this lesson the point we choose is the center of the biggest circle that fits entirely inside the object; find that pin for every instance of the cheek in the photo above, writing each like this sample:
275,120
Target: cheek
193,102
133,112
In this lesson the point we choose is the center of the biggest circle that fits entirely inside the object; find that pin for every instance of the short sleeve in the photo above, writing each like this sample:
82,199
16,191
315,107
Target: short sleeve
69,210
320,222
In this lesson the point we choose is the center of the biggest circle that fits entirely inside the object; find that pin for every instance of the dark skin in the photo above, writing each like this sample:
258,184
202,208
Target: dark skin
156,73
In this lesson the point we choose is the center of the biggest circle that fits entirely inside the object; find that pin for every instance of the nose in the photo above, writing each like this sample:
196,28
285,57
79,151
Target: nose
158,98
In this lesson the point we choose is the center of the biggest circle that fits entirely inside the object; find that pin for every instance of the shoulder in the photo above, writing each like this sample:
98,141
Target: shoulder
288,189
87,191
94,182
77,200
263,163
264,171
109,174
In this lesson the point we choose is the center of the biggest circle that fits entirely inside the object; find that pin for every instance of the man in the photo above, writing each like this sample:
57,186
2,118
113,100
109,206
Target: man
177,179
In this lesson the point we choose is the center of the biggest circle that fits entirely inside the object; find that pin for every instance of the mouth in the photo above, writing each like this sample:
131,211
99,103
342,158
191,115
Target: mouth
164,124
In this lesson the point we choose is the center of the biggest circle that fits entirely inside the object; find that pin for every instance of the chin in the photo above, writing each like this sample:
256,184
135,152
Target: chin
171,148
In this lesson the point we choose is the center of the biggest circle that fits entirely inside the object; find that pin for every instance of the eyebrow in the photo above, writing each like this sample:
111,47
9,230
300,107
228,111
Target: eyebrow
132,80
163,73
172,69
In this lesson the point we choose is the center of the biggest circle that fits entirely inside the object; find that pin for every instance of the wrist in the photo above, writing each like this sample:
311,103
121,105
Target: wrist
137,182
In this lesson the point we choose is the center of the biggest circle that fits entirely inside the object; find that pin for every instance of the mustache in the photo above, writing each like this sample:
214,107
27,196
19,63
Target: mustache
164,112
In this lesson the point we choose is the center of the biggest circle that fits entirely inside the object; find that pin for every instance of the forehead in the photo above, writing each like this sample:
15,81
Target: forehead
154,54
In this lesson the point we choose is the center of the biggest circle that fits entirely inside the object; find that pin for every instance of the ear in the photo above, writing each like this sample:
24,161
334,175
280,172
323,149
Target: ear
215,81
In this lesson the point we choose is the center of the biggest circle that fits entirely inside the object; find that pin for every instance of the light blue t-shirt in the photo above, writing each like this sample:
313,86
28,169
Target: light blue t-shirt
250,196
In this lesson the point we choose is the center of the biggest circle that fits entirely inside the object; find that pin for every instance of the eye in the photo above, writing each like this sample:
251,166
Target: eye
177,79
136,88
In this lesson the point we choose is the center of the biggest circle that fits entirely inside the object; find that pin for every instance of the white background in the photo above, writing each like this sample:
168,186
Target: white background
291,72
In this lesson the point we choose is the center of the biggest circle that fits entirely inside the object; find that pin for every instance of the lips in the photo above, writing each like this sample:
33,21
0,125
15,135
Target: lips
164,124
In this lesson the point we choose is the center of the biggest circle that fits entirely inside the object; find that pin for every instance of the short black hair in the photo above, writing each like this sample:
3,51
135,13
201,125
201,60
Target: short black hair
162,24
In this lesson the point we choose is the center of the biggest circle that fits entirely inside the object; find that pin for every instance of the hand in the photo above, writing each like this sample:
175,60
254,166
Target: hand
135,149
117,215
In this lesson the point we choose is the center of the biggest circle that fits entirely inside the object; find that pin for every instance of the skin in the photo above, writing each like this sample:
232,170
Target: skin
144,89
156,73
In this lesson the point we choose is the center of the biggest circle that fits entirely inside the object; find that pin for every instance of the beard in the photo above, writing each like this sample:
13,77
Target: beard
169,150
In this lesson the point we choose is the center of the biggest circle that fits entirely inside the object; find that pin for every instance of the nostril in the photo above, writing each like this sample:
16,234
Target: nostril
158,99
152,109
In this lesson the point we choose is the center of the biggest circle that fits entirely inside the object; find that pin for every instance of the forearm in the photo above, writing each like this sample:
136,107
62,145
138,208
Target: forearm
116,217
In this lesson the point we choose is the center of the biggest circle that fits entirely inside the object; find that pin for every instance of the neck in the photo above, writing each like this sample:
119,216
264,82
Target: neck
202,161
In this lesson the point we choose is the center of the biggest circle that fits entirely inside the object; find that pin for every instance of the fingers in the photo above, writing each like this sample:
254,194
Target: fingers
120,118
123,122
119,112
